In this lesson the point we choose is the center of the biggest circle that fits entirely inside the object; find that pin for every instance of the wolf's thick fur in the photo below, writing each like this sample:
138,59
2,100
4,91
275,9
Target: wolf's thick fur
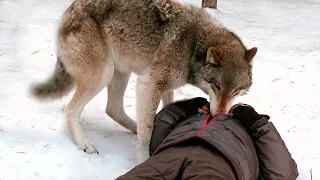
101,42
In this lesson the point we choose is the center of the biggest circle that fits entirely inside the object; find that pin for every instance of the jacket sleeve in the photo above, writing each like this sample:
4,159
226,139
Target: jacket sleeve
142,172
274,157
164,122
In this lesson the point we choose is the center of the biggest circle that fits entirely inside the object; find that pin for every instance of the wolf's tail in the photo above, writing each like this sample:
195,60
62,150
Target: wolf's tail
60,84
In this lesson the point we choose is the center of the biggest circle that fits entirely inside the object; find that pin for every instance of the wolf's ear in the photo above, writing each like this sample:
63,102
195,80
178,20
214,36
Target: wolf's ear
214,55
249,54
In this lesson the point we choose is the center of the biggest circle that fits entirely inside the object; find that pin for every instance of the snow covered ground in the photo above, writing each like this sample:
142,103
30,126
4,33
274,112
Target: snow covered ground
34,141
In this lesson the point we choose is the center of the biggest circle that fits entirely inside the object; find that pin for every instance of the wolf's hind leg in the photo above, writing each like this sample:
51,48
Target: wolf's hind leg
85,55
115,109
88,85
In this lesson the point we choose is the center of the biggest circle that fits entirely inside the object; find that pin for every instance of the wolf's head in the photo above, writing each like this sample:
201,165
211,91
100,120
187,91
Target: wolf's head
224,72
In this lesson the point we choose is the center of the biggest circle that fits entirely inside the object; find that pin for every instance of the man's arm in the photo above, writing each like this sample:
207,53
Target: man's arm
167,118
274,157
275,160
164,122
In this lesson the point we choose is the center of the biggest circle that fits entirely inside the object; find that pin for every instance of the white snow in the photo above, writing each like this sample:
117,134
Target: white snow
35,143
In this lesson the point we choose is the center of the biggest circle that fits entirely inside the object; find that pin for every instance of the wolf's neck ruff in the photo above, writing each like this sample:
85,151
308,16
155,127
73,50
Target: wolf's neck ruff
193,60
199,45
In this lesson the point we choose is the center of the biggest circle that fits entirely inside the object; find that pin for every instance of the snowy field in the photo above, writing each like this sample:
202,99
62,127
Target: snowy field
35,143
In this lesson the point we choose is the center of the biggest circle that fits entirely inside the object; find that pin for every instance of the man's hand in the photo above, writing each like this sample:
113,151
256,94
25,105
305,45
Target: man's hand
205,109
245,114
193,106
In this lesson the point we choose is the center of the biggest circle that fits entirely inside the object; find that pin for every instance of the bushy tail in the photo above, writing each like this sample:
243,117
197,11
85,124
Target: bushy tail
60,84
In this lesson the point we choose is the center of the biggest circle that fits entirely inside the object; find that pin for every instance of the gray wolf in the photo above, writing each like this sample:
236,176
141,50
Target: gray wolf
168,45
242,146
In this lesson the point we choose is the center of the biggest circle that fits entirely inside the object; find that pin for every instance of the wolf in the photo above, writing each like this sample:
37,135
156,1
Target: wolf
166,44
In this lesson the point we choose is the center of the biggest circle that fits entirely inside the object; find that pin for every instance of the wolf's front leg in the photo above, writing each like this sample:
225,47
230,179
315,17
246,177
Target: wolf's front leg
168,97
148,98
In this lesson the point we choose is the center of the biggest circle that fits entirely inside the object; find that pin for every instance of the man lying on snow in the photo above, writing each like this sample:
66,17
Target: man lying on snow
241,145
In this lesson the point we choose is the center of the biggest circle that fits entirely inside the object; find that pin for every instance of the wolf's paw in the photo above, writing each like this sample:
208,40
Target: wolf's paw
88,147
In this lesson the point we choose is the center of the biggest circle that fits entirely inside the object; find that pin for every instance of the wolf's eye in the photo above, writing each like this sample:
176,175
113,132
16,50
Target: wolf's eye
216,86
214,65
